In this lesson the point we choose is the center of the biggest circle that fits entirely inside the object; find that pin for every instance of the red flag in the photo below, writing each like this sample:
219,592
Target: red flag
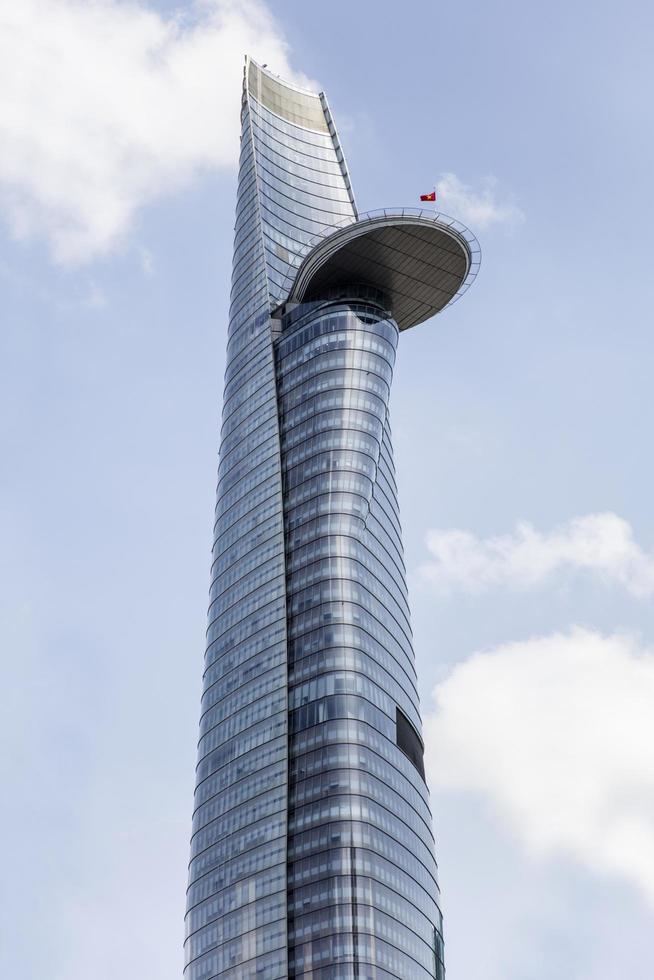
428,197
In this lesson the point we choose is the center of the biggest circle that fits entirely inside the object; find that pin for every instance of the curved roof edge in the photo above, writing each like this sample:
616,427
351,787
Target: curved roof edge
424,261
297,105
278,80
285,99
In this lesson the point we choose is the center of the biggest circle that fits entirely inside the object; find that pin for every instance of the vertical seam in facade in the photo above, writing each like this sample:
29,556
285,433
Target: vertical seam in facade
274,890
340,156
281,485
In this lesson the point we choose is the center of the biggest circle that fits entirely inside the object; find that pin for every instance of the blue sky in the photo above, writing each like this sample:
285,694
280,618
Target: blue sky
520,421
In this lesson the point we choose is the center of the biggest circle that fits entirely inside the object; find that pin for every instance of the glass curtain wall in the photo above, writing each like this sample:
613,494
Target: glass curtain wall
311,851
292,186
361,872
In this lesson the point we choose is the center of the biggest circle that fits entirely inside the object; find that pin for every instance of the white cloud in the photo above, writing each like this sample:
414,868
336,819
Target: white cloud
602,544
557,734
108,104
478,208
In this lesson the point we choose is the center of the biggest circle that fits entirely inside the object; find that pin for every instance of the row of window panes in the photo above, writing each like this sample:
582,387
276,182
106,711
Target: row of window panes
233,924
334,400
319,145
355,316
354,440
251,862
303,190
240,767
245,501
321,762
352,833
352,615
335,363
269,476
247,605
259,496
353,472
250,691
248,527
327,172
240,828
336,661
360,565
360,591
258,366
312,874
302,229
267,617
247,455
249,945
319,519
336,381
257,887
360,809
243,790
366,921
340,683
310,186
230,651
366,613
220,680
352,419
241,719
250,293
346,504
355,732
343,338
245,719
295,244
253,389
359,783
280,199
367,302
243,308
342,624
368,656
289,210
369,552
238,565
357,889
228,568
257,398
305,960
239,547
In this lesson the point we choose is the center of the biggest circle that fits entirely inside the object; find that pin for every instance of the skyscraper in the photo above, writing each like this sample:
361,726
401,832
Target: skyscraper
312,852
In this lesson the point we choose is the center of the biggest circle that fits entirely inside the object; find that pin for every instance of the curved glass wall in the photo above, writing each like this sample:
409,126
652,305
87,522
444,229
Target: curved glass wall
362,884
236,903
311,853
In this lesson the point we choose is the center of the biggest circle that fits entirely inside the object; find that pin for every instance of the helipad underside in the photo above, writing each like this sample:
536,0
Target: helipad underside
418,261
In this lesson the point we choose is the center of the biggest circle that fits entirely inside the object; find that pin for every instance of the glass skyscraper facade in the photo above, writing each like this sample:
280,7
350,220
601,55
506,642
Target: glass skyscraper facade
312,852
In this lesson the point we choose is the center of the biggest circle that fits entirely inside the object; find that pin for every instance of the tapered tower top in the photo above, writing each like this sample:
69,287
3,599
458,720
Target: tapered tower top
420,259
286,100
